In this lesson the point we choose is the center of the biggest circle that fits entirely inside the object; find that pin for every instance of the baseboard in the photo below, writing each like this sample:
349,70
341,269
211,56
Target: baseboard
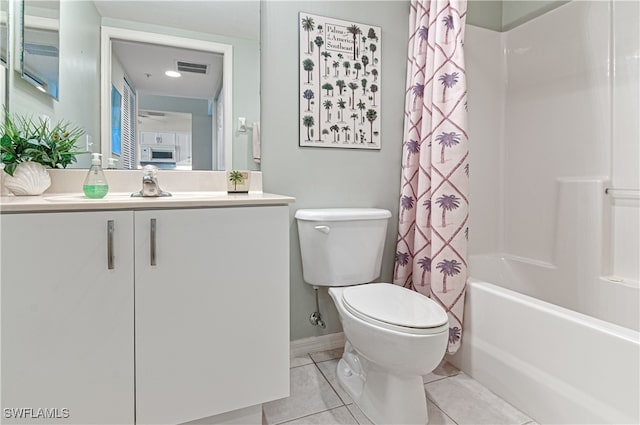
303,346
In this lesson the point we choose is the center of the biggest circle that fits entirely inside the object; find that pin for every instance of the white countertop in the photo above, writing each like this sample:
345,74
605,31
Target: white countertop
190,189
122,200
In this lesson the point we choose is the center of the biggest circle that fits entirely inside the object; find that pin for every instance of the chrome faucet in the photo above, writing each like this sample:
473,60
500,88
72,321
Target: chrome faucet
150,186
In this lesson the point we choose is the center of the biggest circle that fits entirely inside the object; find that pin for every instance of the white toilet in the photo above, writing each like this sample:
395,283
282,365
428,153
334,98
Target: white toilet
394,335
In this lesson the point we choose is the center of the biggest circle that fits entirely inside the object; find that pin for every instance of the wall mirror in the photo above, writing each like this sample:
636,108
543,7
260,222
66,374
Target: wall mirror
4,53
41,45
85,98
149,83
4,32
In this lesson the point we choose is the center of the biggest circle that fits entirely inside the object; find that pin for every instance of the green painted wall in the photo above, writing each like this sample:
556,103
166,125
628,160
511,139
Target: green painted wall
322,177
515,13
499,15
485,14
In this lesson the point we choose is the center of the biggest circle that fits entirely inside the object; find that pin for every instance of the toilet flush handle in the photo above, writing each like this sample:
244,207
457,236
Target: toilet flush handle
323,229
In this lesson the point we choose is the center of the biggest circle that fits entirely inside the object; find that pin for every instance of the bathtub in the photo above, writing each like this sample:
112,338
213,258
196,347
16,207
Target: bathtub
556,364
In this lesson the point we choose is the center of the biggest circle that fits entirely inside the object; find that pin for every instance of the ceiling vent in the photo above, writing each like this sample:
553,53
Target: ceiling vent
147,114
194,68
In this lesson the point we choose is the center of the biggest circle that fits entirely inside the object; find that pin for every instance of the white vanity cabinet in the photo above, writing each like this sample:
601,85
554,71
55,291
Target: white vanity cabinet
211,312
67,318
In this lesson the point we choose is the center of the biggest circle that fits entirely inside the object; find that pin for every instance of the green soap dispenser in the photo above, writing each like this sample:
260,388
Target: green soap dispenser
95,185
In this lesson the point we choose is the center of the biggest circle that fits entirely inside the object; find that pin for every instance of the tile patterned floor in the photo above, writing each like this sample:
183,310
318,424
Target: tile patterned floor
317,398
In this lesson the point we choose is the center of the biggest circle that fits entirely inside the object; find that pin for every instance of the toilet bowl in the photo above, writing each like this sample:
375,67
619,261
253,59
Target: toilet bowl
393,335
383,362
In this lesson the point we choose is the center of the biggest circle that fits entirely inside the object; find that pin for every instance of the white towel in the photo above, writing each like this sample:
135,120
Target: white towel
256,142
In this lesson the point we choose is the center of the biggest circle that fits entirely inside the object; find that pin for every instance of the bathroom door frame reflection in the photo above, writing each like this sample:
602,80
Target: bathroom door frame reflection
41,67
113,33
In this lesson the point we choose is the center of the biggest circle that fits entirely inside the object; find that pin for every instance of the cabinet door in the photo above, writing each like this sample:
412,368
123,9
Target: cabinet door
148,138
67,319
166,139
212,316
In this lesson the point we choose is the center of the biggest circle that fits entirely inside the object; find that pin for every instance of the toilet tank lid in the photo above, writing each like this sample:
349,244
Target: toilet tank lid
342,214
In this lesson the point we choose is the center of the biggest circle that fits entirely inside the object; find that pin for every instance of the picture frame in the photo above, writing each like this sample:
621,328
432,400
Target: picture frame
340,76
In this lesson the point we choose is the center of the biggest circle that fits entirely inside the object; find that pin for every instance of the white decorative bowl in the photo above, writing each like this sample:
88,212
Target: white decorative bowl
29,178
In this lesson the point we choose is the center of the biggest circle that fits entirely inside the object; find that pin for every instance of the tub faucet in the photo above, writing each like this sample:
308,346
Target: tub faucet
150,186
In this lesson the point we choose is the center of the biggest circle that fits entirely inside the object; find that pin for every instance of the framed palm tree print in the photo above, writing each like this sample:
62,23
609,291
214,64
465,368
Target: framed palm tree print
340,76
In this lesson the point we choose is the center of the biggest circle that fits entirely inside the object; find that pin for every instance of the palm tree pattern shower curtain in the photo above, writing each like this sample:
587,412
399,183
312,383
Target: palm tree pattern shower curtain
431,253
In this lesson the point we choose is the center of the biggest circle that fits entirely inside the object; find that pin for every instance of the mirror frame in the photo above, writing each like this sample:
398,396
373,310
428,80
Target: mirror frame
109,33
4,33
46,24
6,68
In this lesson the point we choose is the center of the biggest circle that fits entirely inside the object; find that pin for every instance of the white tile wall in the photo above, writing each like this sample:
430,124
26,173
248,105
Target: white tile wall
626,140
486,82
626,94
546,104
557,118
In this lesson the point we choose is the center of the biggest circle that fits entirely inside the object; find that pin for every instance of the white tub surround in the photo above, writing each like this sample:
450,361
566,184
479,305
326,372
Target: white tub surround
578,275
625,205
532,182
553,306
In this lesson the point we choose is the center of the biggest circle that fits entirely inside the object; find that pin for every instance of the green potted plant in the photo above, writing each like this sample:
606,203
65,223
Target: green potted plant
237,181
28,147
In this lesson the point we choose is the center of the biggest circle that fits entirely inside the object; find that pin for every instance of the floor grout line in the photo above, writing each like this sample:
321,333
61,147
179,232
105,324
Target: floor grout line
436,404
312,363
300,365
333,388
329,382
351,413
438,379
323,361
310,414
440,409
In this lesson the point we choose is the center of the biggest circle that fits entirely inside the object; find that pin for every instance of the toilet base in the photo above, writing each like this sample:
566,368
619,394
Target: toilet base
383,397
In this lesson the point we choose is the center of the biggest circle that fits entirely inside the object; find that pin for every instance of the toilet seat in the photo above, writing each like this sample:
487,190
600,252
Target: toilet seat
396,308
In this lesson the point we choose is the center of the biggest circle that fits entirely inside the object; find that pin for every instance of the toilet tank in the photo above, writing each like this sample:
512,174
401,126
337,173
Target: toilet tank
341,246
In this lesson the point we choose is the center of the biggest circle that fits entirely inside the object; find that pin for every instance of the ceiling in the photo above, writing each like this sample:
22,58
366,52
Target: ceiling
145,65
233,18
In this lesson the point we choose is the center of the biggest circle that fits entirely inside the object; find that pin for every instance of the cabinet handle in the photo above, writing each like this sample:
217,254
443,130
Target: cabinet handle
110,244
153,242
